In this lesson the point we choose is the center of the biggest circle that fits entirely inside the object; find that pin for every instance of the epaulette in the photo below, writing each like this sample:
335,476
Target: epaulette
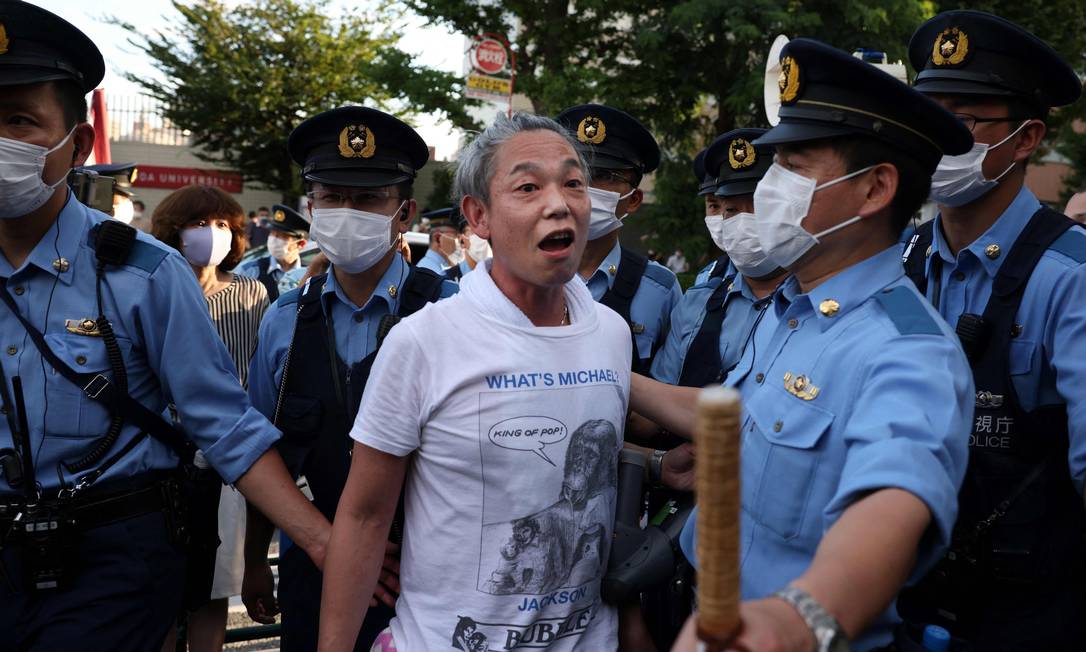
660,274
906,310
1071,244
146,256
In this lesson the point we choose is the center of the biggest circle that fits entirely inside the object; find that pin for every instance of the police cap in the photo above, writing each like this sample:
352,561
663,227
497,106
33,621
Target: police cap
124,175
614,139
447,216
739,163
357,146
39,46
287,220
706,182
977,53
827,93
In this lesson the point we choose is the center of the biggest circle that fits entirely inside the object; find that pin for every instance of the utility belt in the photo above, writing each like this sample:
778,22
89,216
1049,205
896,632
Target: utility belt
47,531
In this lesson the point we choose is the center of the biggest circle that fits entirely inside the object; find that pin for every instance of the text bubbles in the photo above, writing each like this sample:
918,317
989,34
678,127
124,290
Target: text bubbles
529,434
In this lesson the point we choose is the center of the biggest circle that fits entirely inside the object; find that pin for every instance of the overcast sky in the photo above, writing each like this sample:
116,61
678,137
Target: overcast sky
435,47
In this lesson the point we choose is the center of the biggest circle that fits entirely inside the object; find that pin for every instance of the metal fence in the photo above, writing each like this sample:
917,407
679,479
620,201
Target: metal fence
140,119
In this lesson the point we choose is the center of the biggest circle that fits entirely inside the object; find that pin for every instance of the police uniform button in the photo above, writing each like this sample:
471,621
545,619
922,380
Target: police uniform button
792,323
777,426
12,350
1016,330
959,276
612,270
759,378
81,359
359,316
19,290
392,291
992,251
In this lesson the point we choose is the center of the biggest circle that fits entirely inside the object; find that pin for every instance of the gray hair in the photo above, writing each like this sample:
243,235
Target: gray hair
475,169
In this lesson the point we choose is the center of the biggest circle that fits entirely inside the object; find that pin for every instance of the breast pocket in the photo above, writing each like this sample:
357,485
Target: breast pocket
782,444
68,411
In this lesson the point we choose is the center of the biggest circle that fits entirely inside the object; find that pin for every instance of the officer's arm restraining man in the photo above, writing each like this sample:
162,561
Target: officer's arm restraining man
621,151
1009,273
318,342
287,233
102,327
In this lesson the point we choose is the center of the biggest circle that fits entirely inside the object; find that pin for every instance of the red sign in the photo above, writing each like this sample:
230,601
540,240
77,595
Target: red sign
488,56
157,176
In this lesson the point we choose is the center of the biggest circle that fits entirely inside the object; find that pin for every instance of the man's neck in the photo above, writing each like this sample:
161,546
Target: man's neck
831,263
19,235
962,225
594,253
763,287
542,305
359,287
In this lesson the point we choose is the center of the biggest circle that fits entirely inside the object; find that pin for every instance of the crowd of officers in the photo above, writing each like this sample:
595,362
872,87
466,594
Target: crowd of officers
907,484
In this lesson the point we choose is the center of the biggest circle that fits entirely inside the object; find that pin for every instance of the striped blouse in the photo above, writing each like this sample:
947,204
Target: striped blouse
237,310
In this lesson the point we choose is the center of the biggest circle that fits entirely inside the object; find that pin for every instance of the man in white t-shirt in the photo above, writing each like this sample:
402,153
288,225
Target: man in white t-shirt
507,455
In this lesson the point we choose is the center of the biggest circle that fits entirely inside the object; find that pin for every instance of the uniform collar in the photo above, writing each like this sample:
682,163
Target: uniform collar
1002,234
849,289
59,245
437,258
609,266
387,290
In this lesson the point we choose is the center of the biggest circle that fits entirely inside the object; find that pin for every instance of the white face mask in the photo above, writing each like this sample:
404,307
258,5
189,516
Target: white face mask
959,180
205,246
353,240
478,249
781,201
739,235
124,211
603,219
22,190
281,249
715,224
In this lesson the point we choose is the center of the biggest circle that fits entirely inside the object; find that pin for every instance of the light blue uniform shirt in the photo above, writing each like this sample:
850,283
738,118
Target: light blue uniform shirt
703,275
171,350
652,304
1048,360
434,262
893,409
740,316
355,328
251,268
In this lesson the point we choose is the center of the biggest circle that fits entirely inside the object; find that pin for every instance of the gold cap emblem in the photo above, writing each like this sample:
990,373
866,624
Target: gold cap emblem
357,141
992,251
591,130
741,154
950,48
279,216
3,39
788,80
800,386
829,307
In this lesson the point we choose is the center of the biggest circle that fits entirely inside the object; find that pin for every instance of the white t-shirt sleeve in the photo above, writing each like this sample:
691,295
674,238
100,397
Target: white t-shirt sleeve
390,416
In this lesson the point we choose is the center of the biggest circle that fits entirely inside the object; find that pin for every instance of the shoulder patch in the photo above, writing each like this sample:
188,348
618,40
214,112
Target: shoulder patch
660,274
448,288
906,309
1071,244
146,256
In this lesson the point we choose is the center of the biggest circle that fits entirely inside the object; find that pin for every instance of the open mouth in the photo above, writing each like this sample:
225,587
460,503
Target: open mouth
557,241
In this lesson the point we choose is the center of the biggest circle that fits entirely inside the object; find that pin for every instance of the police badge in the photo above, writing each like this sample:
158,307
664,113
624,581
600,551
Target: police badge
950,48
591,130
356,141
741,154
788,81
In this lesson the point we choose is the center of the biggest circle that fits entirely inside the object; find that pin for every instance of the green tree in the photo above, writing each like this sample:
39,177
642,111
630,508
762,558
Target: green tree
241,78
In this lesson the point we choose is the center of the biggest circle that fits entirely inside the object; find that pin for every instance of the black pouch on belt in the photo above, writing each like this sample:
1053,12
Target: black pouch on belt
47,540
197,529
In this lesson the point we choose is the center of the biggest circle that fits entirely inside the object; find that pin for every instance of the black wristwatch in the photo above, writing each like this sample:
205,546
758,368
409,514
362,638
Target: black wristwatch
828,633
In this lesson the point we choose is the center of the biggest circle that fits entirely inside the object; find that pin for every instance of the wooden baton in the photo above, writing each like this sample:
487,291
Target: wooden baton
716,440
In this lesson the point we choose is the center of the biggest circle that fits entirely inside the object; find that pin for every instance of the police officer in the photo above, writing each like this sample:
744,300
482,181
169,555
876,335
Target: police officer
716,317
857,404
124,174
102,328
445,251
707,186
643,292
1009,273
317,342
287,233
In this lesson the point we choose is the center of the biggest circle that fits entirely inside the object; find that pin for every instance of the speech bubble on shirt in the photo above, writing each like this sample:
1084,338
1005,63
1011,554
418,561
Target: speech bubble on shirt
529,434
